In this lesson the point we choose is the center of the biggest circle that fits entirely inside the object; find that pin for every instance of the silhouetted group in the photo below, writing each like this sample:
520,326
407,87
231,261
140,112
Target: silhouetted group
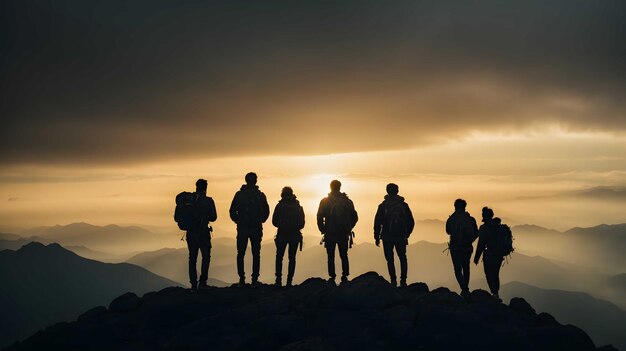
336,219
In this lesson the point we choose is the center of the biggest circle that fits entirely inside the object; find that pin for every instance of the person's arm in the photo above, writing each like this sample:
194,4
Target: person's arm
378,223
410,220
482,239
212,212
321,225
233,208
355,215
450,225
301,226
276,215
474,227
265,208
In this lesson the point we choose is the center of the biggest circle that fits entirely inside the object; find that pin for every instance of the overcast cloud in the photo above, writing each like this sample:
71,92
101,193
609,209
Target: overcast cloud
115,82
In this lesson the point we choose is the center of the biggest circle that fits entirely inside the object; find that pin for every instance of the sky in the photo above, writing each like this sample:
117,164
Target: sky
110,108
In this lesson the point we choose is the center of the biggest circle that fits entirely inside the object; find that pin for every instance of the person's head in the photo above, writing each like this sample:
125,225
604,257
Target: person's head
460,204
335,186
251,178
392,189
201,185
487,214
287,192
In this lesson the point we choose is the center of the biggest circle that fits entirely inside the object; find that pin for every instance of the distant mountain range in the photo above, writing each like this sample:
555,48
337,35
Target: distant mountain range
172,264
603,321
111,239
41,285
600,247
589,260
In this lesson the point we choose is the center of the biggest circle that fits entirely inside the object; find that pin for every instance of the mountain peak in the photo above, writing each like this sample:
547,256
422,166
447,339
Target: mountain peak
366,313
33,245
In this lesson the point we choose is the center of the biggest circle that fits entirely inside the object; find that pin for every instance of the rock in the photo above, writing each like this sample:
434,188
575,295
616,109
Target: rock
364,314
124,303
520,305
417,288
93,314
481,296
545,319
315,344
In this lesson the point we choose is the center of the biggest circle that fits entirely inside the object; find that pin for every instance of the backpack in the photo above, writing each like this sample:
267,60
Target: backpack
291,218
502,242
395,218
465,233
340,216
248,208
186,211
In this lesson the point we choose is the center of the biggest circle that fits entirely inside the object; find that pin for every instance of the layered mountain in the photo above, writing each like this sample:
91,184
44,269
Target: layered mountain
601,319
43,284
600,247
172,264
111,239
364,314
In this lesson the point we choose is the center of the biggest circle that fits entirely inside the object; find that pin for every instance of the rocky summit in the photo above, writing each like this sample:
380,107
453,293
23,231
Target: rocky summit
364,314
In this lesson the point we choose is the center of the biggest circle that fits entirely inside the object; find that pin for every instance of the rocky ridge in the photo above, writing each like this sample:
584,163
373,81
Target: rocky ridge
364,314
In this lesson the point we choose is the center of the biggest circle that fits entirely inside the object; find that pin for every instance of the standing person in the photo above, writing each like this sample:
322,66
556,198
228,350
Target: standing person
492,244
394,224
336,217
288,217
462,229
193,213
249,210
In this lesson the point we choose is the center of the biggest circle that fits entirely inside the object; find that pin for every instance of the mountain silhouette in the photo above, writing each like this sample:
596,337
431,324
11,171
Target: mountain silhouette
600,247
172,264
601,319
364,314
112,239
46,284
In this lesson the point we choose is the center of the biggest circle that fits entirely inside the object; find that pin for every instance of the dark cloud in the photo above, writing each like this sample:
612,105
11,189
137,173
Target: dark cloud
116,81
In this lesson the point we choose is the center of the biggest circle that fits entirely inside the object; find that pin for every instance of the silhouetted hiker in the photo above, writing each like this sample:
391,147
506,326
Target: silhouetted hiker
249,210
336,217
495,241
193,213
394,224
288,217
463,231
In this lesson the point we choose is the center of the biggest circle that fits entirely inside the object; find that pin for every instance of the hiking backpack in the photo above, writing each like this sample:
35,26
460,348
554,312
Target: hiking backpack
186,210
502,243
291,218
395,218
249,208
465,233
340,216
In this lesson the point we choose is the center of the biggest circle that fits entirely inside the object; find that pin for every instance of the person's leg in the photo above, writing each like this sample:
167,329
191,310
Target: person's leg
193,259
488,266
205,248
330,251
280,252
391,268
496,274
242,245
293,249
255,246
401,251
467,256
457,264
342,245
